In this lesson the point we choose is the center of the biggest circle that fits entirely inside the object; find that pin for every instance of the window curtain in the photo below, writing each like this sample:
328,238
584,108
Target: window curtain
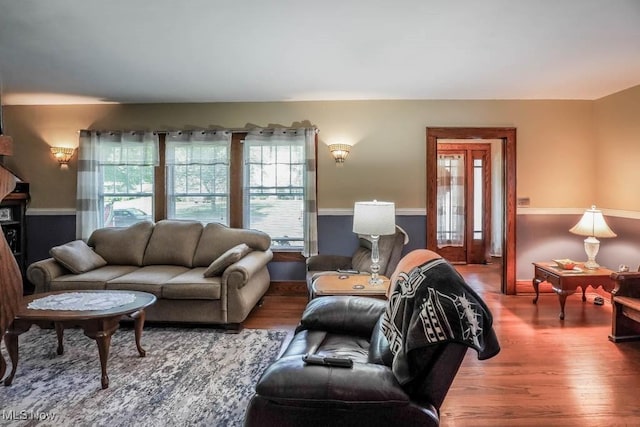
98,148
196,147
87,201
211,149
311,206
305,138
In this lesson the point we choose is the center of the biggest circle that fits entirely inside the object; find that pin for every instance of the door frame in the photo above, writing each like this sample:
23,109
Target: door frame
508,137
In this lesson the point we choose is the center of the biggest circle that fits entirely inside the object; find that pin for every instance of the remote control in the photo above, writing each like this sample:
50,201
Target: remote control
341,270
312,359
340,362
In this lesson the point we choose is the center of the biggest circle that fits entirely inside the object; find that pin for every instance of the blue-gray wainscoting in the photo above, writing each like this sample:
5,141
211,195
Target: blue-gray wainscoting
540,237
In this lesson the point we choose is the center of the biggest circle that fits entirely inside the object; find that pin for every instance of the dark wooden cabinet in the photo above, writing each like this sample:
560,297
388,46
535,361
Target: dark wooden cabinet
13,210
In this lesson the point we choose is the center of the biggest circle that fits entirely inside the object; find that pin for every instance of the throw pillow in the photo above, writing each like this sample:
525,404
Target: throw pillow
77,257
226,259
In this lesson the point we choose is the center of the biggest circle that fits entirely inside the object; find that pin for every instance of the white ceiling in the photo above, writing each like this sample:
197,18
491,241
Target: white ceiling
148,51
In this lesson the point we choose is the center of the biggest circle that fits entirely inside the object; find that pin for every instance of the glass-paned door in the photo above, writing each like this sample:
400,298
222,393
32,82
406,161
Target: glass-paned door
463,208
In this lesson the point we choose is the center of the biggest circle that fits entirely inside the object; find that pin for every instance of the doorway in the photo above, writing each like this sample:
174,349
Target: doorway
463,226
507,138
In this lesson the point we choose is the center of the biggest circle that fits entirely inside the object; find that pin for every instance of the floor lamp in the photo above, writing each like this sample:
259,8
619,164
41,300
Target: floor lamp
374,219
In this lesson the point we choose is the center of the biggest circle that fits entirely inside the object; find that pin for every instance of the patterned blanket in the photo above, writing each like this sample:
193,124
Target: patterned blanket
432,304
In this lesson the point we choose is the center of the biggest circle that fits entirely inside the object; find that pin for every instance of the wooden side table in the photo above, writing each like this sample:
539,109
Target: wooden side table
349,284
567,282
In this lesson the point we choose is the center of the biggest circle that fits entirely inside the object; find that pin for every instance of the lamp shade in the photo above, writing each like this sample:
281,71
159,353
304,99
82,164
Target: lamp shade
593,224
339,152
63,155
374,218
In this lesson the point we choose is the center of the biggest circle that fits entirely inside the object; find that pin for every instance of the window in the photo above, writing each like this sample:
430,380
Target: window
451,200
274,187
126,178
198,183
263,180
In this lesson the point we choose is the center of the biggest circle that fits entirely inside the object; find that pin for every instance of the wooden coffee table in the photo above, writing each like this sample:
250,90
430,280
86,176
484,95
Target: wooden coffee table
97,324
567,282
348,284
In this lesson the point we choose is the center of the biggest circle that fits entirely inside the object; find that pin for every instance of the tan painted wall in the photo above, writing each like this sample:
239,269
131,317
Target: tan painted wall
618,151
556,143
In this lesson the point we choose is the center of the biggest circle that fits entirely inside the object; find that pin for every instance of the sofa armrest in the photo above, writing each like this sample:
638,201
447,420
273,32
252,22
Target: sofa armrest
343,314
238,274
290,381
627,284
328,262
41,273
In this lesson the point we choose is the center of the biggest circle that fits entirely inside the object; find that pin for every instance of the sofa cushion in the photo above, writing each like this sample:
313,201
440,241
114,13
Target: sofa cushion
146,279
94,279
122,245
235,254
173,242
77,257
217,238
192,285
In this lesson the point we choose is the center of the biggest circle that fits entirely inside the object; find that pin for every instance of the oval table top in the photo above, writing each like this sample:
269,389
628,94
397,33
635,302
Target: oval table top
142,300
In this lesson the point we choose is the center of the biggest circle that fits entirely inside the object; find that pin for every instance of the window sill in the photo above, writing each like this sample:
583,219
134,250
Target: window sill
287,256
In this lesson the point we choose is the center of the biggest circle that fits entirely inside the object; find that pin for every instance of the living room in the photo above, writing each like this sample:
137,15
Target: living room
577,138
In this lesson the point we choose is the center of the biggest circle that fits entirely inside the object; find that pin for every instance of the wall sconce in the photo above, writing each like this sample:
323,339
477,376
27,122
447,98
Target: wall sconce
63,155
339,152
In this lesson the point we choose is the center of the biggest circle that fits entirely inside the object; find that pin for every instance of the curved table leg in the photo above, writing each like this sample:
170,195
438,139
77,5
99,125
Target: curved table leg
536,287
104,342
11,342
584,289
3,367
101,331
139,317
563,300
60,334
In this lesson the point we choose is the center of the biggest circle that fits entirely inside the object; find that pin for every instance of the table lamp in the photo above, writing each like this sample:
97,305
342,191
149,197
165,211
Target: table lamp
592,225
374,219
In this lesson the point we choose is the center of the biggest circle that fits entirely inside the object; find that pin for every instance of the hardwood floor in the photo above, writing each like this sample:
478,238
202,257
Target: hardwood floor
550,372
277,312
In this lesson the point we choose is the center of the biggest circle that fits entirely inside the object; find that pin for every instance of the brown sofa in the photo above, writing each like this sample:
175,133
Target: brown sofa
169,259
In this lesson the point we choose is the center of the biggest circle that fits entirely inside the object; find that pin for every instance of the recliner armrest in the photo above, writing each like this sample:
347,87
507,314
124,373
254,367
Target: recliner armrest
290,381
328,262
343,315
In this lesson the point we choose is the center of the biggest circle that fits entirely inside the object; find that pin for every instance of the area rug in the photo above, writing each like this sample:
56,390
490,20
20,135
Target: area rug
189,377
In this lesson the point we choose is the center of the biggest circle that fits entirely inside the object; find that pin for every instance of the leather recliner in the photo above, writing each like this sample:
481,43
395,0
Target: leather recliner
293,393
